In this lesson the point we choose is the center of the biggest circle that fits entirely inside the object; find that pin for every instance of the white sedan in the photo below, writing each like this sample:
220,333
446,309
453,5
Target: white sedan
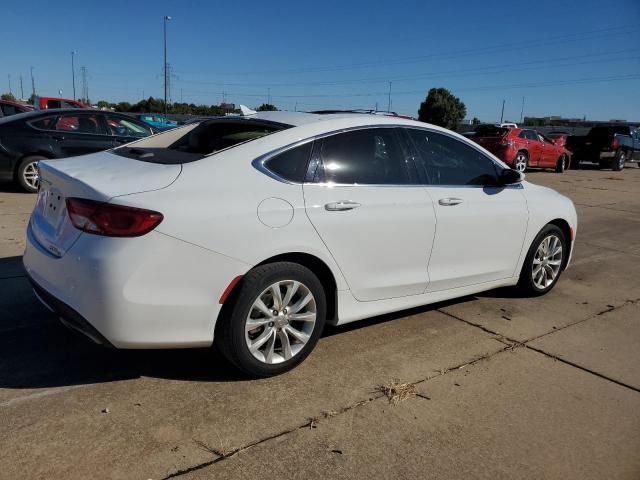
252,232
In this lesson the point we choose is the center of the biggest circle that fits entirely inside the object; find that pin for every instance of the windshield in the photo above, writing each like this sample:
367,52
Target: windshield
490,131
205,139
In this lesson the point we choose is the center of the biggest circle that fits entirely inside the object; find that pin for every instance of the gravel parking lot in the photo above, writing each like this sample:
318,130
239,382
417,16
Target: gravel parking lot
499,386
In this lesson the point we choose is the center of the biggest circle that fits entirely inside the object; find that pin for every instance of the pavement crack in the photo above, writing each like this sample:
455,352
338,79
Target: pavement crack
584,369
312,422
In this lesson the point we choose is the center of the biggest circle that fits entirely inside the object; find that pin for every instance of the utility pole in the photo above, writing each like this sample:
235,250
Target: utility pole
269,96
33,83
85,84
389,99
73,73
10,92
502,113
21,89
522,110
165,19
181,96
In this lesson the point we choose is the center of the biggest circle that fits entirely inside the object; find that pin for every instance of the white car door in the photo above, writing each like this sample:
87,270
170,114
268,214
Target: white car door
371,213
480,226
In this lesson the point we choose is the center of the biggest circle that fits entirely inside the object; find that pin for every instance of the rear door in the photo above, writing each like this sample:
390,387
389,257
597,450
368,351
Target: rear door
480,226
367,206
534,147
79,134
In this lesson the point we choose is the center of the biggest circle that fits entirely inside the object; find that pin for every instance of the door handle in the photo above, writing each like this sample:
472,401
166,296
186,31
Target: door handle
57,138
449,201
341,206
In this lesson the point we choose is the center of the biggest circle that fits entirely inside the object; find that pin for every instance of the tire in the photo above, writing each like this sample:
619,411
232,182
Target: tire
562,164
533,283
617,164
26,171
269,358
521,162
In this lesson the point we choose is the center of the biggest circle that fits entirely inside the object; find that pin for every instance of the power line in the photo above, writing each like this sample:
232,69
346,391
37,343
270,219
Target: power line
492,69
487,50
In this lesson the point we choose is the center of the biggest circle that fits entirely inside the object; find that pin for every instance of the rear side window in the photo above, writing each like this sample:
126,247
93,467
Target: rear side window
46,123
80,124
292,164
448,161
367,157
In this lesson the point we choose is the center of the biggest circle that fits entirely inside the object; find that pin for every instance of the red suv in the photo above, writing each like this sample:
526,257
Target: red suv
521,148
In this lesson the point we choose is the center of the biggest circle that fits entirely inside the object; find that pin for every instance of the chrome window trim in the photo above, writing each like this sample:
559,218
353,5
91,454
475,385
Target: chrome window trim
259,162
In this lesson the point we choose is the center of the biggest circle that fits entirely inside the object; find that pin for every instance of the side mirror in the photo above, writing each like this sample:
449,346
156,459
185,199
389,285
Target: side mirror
509,176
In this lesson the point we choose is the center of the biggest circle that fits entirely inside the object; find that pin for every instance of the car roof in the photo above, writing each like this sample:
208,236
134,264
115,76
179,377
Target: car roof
53,111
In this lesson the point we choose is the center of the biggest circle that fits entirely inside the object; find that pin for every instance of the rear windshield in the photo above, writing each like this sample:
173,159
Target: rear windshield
607,131
207,138
490,131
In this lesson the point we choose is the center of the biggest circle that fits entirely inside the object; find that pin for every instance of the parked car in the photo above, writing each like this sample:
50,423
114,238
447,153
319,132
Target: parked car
521,148
158,122
8,108
558,137
254,232
609,145
43,103
27,138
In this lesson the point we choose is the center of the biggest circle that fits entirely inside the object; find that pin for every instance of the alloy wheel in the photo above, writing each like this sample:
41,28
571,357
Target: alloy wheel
547,262
520,162
30,175
280,321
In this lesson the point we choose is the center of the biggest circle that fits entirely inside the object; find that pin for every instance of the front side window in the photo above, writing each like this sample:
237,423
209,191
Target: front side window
121,127
368,157
448,161
292,164
79,124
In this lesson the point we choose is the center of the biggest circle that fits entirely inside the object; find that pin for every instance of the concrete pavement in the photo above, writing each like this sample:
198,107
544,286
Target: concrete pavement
507,387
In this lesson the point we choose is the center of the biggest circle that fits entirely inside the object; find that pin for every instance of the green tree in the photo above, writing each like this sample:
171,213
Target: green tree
123,107
103,104
475,121
8,96
32,99
442,108
267,107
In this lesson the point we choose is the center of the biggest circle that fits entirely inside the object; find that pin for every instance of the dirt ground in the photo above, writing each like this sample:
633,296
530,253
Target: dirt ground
496,386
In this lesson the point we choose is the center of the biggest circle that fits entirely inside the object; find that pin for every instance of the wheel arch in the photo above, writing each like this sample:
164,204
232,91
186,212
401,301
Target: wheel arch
313,263
19,160
563,225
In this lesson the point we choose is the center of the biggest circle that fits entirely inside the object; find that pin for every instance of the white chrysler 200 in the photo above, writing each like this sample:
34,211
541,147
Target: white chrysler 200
252,232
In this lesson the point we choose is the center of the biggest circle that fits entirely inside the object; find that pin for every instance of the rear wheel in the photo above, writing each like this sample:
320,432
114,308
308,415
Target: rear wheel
561,166
544,262
521,161
27,173
618,161
275,320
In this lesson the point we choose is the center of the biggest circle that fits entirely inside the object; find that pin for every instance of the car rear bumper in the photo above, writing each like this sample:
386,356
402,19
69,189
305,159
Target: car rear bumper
152,291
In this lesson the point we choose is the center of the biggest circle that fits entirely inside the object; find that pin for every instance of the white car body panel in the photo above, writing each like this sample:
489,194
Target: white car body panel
382,246
222,216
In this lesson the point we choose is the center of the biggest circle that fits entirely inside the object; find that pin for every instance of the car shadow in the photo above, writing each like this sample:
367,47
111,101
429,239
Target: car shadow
37,351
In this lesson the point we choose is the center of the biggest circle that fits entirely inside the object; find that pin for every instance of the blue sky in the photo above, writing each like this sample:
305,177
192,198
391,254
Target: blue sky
575,59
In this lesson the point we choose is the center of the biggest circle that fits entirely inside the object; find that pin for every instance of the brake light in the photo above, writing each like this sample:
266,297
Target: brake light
615,143
507,143
111,220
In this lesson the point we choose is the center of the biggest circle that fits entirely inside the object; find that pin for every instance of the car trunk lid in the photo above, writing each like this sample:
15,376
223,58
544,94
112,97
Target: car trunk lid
101,177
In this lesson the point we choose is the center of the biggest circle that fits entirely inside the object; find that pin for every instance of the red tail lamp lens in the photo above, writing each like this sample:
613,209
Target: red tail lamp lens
111,220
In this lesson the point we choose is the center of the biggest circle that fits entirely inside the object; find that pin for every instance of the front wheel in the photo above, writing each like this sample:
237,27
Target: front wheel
544,261
275,320
561,166
618,162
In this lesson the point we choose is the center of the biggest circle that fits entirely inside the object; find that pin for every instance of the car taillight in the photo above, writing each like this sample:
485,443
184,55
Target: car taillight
507,143
615,143
111,220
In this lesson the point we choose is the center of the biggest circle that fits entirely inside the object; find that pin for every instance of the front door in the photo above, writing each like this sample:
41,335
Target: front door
371,213
480,226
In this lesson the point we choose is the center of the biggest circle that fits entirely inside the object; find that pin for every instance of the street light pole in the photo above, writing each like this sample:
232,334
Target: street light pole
73,74
165,18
